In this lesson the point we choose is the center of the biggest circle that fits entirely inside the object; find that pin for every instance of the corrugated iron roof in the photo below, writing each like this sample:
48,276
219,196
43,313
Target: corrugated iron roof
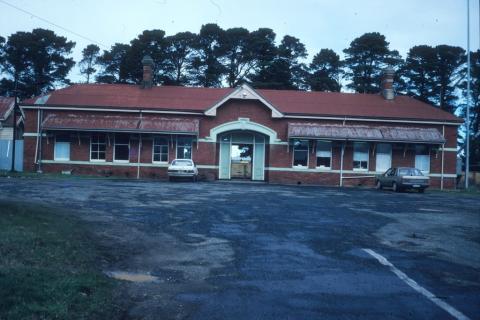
288,102
128,123
6,106
365,133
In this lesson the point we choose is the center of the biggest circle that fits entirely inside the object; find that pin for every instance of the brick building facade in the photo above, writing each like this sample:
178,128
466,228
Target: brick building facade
241,133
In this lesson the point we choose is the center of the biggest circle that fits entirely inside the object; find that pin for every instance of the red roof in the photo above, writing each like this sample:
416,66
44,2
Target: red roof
6,105
329,104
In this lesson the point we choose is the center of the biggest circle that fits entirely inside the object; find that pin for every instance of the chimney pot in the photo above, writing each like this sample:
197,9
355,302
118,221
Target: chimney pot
388,75
147,62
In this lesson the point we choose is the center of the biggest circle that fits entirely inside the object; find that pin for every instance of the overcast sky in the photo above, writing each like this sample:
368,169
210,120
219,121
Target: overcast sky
317,23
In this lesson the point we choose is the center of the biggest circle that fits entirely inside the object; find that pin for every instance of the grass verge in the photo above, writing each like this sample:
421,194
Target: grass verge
48,267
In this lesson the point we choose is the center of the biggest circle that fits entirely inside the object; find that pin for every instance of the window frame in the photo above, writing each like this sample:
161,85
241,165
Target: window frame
55,157
308,155
427,154
331,155
191,147
153,150
98,143
390,154
368,157
121,144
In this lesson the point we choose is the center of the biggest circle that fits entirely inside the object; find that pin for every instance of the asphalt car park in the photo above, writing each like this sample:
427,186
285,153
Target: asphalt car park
256,251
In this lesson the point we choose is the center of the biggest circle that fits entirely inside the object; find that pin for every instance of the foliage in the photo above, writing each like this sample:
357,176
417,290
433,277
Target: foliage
365,59
37,60
325,71
90,55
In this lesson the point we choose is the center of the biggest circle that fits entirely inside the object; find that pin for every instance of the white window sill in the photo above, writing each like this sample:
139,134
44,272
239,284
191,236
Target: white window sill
300,167
360,170
160,162
122,161
324,168
97,160
61,159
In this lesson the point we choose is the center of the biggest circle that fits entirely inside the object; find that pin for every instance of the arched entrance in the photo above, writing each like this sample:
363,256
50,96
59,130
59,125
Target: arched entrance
249,139
242,155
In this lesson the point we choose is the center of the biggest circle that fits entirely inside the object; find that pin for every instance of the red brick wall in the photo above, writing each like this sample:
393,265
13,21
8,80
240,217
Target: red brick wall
277,156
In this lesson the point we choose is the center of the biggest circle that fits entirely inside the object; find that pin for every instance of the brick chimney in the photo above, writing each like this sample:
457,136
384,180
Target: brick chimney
387,83
147,62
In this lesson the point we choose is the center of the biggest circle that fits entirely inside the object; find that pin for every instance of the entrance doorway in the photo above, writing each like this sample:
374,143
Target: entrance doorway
242,155
241,161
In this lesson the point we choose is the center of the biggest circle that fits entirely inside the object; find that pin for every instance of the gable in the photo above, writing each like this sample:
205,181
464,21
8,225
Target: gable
244,92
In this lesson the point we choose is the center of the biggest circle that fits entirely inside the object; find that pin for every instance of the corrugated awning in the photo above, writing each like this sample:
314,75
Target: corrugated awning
122,123
365,133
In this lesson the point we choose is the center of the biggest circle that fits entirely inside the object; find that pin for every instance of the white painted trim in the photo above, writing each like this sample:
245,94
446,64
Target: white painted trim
153,148
308,156
244,92
111,110
448,149
55,150
317,170
98,160
373,120
242,125
33,134
121,164
331,155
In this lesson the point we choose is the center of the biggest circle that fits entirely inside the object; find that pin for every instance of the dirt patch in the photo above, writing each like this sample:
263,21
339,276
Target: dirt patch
130,276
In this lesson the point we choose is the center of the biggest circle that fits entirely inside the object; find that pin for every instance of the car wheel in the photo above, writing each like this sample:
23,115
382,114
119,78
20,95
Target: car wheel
379,185
194,178
395,187
170,179
421,190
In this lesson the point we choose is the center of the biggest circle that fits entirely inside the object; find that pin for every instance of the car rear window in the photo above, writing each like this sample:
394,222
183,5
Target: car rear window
409,172
182,163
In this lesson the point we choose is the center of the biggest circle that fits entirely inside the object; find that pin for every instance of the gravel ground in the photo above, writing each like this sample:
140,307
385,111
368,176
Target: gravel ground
255,251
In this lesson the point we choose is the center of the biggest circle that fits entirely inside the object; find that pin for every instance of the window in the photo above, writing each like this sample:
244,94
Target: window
184,148
324,154
97,147
300,153
384,157
121,150
61,151
360,156
422,158
160,150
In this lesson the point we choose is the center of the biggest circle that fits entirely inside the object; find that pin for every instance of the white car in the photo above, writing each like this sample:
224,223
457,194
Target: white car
182,168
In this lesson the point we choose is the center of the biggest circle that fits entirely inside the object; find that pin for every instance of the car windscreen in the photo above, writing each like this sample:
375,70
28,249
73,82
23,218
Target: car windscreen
409,172
181,163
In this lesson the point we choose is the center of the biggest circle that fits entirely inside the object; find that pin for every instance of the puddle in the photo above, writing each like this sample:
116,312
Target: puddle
130,276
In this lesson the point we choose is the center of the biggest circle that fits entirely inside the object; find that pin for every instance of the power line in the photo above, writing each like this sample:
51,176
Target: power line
53,24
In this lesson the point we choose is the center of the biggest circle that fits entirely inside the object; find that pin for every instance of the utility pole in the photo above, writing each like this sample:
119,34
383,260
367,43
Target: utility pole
14,133
467,133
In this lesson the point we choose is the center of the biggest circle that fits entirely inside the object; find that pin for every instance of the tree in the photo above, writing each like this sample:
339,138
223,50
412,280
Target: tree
474,110
112,64
286,71
419,73
450,59
179,55
239,55
431,74
152,43
37,60
325,71
90,55
207,66
365,59
263,44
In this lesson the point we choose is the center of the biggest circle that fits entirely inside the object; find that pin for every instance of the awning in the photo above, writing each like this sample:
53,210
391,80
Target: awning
121,123
365,133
